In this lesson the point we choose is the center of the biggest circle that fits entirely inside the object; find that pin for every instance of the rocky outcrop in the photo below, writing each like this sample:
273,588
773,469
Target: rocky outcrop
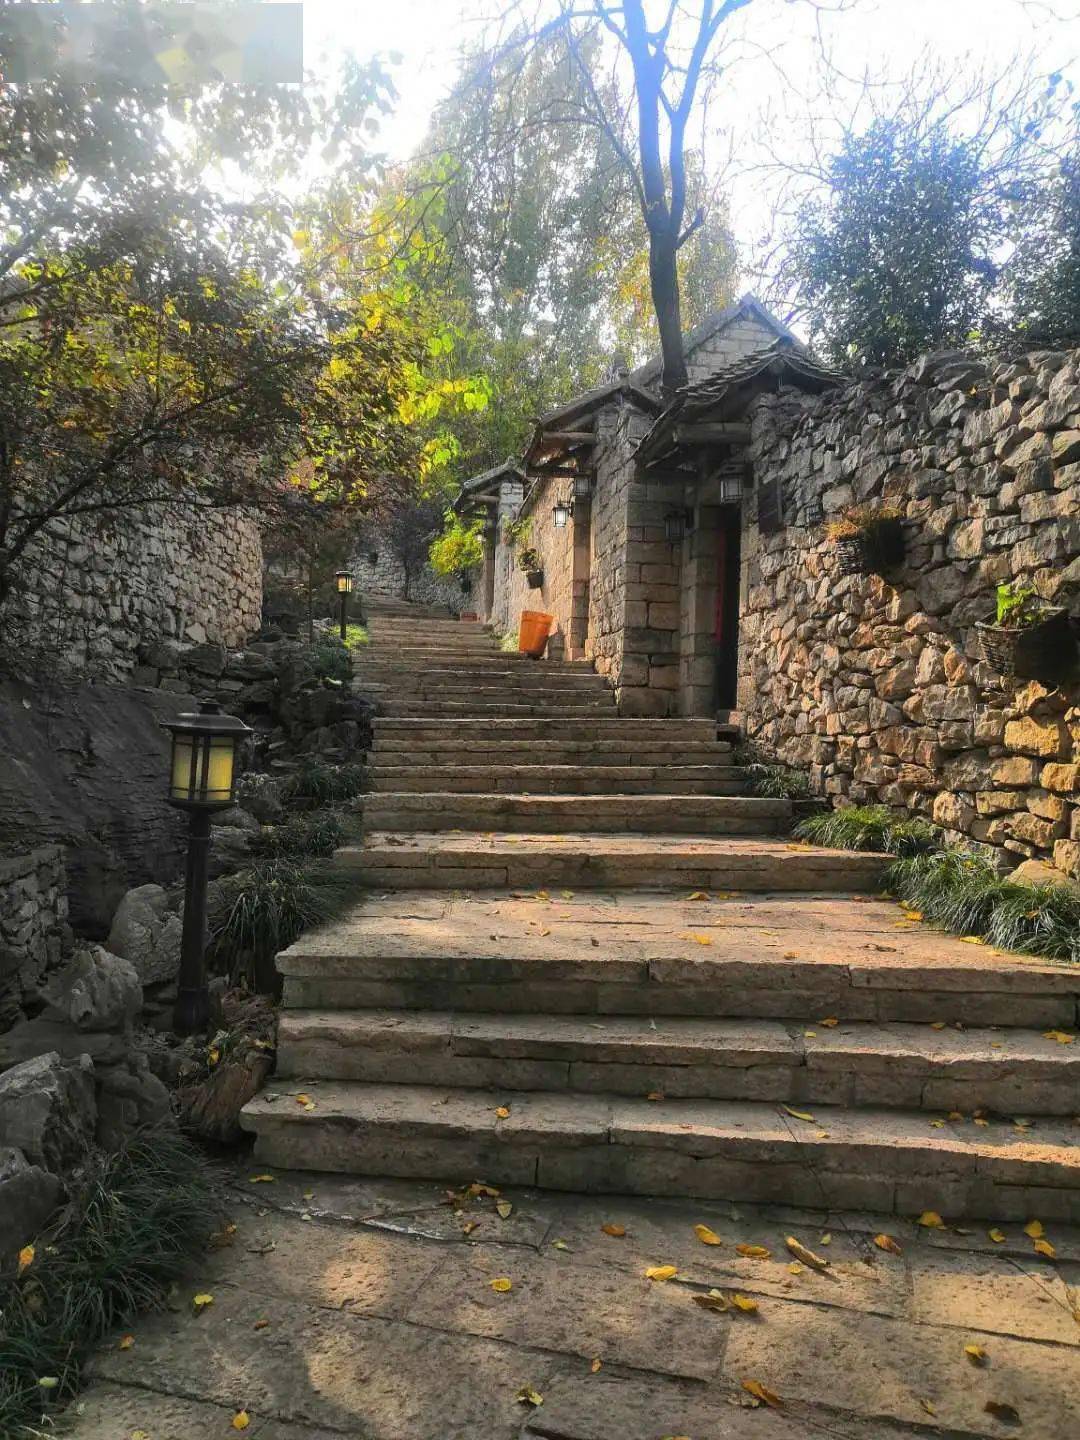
28,1196
877,685
48,1110
85,766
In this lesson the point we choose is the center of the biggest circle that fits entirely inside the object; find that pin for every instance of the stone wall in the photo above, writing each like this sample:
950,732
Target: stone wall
878,686
556,596
33,916
99,589
378,571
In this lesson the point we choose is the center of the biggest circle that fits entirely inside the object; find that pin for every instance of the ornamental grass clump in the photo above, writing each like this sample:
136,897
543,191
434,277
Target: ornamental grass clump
963,893
263,910
119,1245
314,837
869,827
325,784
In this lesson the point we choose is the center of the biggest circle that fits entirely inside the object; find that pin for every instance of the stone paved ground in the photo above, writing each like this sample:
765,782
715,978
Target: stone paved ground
366,1308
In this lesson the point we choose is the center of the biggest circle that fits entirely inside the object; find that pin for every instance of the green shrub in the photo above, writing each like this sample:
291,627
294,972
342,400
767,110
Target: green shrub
869,827
330,658
263,910
356,635
315,836
325,784
119,1245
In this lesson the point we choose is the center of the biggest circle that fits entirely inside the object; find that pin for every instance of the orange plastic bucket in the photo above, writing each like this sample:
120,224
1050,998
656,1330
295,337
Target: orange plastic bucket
533,632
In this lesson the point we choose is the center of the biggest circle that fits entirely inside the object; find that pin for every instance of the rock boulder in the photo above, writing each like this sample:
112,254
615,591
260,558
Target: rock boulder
48,1110
147,933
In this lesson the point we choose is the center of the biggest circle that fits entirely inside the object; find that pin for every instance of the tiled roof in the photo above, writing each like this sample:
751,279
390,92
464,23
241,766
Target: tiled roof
724,396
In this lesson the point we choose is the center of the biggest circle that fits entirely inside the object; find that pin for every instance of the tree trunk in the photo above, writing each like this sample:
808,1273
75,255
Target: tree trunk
664,283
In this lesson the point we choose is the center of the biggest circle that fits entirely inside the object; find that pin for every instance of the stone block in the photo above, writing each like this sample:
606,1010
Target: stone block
1047,738
1067,856
1064,779
1017,770
1040,833
48,1110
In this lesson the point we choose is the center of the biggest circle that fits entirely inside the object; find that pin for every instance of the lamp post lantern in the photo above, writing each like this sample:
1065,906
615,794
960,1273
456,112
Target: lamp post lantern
202,779
561,513
344,581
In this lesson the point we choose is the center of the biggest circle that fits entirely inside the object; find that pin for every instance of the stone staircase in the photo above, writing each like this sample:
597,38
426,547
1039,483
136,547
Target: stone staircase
588,958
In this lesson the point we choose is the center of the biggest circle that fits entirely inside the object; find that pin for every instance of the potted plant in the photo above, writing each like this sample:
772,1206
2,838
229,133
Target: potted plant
1029,638
869,540
529,560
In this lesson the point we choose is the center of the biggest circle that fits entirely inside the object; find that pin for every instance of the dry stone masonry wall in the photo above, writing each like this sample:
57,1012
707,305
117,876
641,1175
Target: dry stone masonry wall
877,685
33,923
92,593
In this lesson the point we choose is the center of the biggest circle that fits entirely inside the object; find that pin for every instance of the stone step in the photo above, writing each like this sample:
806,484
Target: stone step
909,1066
594,860
426,625
455,777
581,708
667,733
881,1160
481,679
593,814
799,958
439,752
551,695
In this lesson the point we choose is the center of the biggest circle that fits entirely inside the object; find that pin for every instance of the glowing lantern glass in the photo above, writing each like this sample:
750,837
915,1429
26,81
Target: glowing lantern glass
203,769
344,581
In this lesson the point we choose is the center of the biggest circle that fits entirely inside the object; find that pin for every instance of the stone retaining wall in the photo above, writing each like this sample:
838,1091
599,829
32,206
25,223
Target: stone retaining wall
378,571
33,914
878,686
98,589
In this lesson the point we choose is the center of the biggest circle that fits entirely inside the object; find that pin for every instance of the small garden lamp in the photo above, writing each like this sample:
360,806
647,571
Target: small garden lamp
344,582
202,779
560,514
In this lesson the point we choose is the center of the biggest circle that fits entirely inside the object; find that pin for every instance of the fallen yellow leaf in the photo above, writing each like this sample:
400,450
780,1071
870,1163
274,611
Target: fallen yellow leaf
504,1208
303,1099
973,939
806,1256
26,1257
744,1303
125,1342
661,1272
887,1243
261,1325
714,1300
502,1285
759,1392
567,894
139,1435
1061,1036
975,1353
931,1220
795,1268
707,1236
503,1112
937,1024
241,1420
830,1022
825,1240
262,1179
1043,1247
201,1301
799,1114
1034,1228
698,895
698,939
754,1252
528,1396
595,1366
655,1095
998,1236
937,1124
618,1231
930,1409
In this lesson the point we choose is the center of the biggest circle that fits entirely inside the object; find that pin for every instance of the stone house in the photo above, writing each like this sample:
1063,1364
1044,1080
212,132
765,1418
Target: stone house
684,549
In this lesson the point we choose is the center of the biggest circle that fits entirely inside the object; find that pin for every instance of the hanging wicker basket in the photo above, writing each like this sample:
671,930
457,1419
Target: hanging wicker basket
1044,651
877,549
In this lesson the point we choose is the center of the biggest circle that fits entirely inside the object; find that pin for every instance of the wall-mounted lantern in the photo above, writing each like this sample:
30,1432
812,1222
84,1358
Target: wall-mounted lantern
202,779
344,582
730,489
583,487
560,513
676,524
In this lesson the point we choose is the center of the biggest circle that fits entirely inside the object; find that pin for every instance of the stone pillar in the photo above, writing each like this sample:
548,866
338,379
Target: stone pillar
578,630
698,599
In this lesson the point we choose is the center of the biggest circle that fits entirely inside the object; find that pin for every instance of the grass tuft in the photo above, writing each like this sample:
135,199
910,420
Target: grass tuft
264,909
331,658
869,827
779,782
313,837
119,1245
326,784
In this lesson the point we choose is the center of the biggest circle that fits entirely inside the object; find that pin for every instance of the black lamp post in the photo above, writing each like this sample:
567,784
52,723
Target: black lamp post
344,581
203,779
